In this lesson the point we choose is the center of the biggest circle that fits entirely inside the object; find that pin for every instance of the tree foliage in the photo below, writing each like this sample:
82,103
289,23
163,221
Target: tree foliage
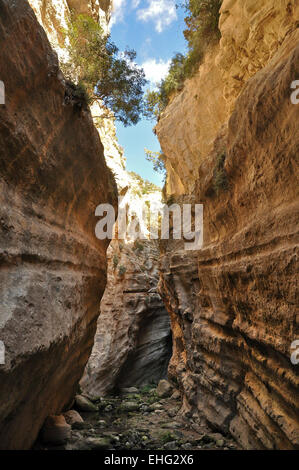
202,29
157,160
145,186
96,65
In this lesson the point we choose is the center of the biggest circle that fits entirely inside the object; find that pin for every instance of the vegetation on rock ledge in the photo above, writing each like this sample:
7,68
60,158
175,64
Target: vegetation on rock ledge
220,177
102,73
202,30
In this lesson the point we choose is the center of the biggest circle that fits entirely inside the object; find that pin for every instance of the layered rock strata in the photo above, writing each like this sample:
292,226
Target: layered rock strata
53,269
251,33
54,16
233,304
133,341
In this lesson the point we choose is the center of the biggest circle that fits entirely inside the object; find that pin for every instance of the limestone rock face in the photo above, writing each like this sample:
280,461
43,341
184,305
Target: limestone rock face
251,33
133,341
53,269
233,305
54,15
150,347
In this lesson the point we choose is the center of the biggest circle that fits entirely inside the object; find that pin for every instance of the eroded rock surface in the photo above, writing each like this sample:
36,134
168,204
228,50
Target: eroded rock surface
54,16
233,305
53,269
133,341
251,33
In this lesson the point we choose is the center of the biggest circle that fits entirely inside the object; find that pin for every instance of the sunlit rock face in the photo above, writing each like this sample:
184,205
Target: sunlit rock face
133,340
251,33
55,14
52,175
146,325
233,304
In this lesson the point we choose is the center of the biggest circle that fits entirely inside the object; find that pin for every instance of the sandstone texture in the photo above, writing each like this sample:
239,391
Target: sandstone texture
128,335
53,269
251,33
55,14
133,341
234,304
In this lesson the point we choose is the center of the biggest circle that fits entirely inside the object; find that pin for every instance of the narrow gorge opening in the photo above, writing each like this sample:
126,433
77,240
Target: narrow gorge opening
149,226
133,343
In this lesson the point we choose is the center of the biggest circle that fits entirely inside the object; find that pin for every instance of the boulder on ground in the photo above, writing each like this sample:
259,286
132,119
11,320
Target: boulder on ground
130,406
176,395
84,404
164,389
98,443
73,417
129,390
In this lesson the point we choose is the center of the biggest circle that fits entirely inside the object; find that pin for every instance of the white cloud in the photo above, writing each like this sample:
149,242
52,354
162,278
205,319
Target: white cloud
118,11
155,70
161,12
135,3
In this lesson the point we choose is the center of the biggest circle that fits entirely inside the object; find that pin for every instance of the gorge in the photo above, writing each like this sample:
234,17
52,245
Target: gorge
96,327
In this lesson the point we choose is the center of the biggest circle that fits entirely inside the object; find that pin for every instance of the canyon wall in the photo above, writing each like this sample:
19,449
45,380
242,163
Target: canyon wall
133,341
232,136
251,33
54,15
53,269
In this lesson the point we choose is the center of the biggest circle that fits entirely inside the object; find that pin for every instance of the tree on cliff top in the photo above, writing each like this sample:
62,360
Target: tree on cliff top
96,65
202,29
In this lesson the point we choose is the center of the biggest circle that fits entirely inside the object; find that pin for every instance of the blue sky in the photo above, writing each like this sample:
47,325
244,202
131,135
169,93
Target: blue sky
154,29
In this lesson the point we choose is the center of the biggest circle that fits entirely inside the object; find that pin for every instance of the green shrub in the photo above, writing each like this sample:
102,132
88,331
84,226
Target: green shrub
138,246
147,388
202,29
167,436
115,261
122,270
145,186
220,181
170,200
157,159
77,95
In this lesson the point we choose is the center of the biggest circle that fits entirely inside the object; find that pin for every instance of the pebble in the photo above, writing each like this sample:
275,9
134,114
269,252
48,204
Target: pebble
101,443
72,417
129,390
130,406
187,446
171,445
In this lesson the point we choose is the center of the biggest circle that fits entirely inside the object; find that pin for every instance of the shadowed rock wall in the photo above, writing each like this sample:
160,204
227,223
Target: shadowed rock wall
52,268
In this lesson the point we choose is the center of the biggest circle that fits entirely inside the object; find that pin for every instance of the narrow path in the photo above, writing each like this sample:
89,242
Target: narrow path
141,420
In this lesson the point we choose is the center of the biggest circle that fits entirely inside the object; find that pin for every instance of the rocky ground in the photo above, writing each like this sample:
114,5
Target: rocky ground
136,419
